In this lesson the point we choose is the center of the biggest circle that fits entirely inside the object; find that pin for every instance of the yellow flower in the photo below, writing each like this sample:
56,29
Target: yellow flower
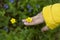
29,19
13,20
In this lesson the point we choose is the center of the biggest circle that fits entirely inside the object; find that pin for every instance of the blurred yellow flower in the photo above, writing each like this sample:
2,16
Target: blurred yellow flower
29,19
13,20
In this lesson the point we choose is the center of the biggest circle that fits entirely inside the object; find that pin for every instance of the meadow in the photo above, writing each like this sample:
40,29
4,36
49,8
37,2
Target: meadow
11,26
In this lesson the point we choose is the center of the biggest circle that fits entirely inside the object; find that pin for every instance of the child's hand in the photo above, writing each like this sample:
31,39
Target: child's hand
45,28
35,20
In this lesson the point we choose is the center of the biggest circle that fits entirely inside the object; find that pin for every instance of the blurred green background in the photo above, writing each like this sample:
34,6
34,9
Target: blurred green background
20,9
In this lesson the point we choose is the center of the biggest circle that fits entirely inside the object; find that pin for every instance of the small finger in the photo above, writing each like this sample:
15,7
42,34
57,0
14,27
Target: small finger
24,20
29,23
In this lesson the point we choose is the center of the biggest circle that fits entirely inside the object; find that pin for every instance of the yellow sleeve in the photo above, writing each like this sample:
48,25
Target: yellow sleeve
48,17
56,12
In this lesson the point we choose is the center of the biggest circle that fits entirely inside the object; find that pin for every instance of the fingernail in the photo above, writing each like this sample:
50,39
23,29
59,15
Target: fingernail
22,20
25,23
